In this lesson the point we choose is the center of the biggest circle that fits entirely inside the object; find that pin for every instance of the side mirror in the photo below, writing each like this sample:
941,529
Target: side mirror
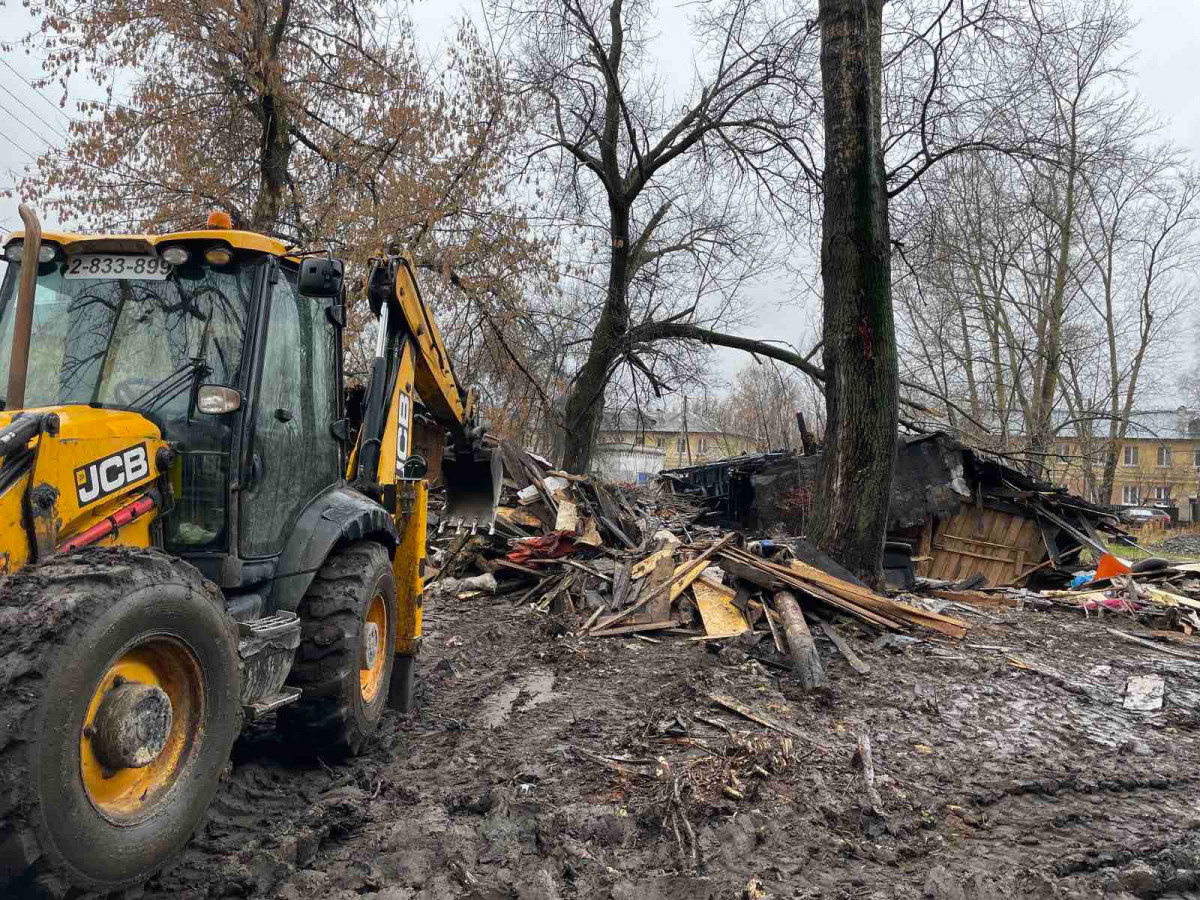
320,276
216,399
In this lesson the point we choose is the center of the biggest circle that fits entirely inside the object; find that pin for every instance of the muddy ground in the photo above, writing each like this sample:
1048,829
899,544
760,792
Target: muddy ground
996,781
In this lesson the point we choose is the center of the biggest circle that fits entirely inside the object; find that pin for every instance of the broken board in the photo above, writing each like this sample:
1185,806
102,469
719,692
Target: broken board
717,610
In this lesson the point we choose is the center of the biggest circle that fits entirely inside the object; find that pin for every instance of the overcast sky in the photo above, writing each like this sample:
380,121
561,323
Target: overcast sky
1166,67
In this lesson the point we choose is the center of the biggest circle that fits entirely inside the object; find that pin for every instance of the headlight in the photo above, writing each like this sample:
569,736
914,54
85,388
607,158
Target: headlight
176,256
218,256
15,252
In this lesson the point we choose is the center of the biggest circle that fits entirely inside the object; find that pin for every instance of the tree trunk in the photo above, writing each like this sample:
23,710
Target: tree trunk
585,403
861,388
274,157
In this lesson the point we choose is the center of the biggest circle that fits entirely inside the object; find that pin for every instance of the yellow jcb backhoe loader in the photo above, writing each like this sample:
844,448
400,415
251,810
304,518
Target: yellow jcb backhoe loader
188,538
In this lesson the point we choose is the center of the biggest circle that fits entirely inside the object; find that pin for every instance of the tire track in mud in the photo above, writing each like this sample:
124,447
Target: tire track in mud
996,783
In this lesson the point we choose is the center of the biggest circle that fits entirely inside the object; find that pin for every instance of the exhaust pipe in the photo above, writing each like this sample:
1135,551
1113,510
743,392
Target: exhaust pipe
18,367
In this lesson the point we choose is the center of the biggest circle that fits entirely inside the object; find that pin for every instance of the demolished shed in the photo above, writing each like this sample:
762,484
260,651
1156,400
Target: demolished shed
964,512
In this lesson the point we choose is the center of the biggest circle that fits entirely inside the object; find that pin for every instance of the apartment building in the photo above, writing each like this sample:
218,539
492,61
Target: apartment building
685,439
1158,462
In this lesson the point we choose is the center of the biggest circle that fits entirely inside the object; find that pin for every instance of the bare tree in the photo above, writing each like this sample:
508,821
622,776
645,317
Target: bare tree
648,180
762,404
1042,282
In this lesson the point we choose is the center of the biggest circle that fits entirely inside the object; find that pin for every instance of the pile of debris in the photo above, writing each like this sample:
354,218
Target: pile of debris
1163,596
956,511
607,561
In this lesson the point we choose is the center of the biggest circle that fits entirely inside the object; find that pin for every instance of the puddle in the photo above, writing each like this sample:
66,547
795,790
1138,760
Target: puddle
531,690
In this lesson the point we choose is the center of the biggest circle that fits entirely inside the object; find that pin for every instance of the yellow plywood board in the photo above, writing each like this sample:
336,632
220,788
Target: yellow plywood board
717,610
518,516
646,566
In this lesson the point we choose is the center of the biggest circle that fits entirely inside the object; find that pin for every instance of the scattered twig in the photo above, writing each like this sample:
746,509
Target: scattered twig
862,759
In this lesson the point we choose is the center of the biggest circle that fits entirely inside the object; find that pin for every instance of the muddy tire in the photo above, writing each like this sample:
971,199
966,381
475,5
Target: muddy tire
118,708
344,662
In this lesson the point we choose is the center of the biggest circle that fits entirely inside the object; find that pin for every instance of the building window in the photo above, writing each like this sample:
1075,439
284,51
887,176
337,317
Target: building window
1164,457
1196,458
680,445
703,445
1194,428
1131,456
1130,494
1162,493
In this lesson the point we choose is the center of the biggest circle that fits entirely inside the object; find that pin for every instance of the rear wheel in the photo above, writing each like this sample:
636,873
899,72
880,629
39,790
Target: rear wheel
118,707
344,663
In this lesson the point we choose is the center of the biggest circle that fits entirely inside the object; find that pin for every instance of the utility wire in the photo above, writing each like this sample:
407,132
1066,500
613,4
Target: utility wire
18,146
54,106
26,126
32,113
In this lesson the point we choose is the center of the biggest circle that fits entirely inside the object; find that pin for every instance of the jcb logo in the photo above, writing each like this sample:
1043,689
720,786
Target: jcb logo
402,433
105,476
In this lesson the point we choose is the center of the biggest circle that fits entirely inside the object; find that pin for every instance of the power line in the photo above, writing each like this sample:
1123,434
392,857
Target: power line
18,146
47,100
26,126
32,113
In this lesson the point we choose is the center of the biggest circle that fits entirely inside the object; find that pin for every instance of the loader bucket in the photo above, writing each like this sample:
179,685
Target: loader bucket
473,480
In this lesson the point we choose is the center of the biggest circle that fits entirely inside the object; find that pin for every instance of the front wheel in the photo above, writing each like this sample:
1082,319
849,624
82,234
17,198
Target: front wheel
118,708
344,662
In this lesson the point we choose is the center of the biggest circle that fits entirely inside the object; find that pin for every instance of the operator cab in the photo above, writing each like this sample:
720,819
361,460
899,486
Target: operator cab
227,345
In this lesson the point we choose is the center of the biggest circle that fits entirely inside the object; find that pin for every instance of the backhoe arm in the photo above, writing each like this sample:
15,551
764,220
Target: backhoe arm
411,361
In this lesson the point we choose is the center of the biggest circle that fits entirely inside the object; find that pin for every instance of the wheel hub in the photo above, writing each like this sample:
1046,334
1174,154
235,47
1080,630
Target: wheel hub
370,645
132,726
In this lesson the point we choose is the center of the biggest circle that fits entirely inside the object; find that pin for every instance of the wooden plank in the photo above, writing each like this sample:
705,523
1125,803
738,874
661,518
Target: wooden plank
770,616
660,607
584,567
646,566
754,715
1015,581
979,598
717,611
1170,598
925,546
720,637
850,656
681,582
791,579
1162,648
588,624
636,590
864,597
512,465
635,629
504,563
621,580
980,547
518,516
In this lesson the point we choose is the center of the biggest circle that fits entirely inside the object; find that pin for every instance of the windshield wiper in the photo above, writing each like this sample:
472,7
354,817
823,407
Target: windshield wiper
169,387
